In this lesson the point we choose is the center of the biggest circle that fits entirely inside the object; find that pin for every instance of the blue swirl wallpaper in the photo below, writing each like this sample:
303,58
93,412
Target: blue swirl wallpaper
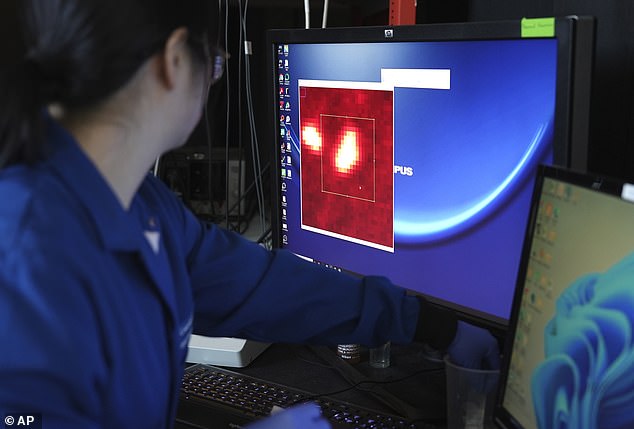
466,159
587,377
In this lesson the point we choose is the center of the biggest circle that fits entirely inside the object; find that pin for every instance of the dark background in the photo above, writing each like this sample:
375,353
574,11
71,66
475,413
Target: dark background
612,103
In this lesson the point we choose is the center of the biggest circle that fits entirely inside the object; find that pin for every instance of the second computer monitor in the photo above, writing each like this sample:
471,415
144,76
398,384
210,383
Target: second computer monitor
569,359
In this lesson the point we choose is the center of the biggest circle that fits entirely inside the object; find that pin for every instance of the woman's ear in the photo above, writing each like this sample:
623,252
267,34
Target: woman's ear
173,58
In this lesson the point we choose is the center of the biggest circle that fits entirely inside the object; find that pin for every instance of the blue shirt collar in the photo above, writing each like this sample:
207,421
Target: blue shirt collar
119,229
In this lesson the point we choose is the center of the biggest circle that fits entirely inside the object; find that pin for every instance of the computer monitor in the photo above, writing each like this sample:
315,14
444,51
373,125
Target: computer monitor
410,152
569,361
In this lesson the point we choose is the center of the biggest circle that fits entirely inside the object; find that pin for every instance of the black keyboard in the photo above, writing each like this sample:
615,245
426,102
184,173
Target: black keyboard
214,397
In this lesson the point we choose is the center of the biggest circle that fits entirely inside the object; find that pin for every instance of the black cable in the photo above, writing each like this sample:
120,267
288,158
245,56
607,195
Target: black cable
312,362
210,184
240,156
257,167
327,366
228,113
349,373
251,186
209,157
263,236
359,383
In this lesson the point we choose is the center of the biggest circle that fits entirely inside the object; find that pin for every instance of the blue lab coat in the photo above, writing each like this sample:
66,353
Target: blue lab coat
94,321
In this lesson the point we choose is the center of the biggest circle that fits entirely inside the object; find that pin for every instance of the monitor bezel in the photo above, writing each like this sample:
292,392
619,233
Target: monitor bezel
575,40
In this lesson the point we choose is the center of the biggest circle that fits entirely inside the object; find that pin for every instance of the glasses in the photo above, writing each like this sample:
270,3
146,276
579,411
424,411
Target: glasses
218,60
215,58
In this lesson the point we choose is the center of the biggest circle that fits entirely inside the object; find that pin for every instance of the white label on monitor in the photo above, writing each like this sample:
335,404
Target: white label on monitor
417,78
627,193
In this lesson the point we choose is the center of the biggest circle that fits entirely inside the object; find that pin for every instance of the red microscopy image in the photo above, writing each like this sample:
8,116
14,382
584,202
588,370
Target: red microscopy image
347,163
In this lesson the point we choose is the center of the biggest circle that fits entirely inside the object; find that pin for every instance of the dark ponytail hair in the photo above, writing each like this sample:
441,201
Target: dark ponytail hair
76,53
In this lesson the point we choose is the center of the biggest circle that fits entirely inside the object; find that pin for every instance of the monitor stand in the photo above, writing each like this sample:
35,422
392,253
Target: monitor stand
223,351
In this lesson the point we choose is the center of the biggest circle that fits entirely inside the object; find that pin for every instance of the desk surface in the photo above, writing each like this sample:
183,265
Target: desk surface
412,387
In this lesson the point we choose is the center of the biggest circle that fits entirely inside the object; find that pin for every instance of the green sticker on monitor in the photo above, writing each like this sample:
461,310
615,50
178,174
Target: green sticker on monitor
538,27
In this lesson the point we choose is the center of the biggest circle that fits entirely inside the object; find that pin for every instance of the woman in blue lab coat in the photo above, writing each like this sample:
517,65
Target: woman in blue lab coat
104,274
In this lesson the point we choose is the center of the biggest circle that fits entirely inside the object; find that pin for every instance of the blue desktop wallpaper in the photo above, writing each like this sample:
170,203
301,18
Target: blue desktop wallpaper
586,379
460,217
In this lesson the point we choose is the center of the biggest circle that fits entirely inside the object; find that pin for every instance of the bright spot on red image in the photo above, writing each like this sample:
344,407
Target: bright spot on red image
347,156
311,138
